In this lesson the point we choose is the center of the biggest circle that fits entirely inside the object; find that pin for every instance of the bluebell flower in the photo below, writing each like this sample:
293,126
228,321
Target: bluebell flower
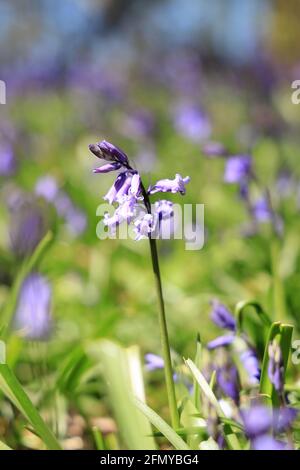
7,160
275,367
222,317
33,313
177,185
257,420
251,364
154,362
261,210
238,169
267,442
127,193
228,381
144,226
109,152
221,341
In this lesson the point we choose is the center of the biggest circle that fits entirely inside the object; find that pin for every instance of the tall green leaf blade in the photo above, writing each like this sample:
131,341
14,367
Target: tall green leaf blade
13,390
162,426
122,371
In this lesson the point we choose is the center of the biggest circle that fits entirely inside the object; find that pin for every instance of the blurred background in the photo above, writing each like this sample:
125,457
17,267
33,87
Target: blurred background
160,79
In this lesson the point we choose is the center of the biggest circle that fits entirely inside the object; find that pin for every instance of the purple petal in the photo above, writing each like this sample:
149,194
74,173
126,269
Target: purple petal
220,342
107,168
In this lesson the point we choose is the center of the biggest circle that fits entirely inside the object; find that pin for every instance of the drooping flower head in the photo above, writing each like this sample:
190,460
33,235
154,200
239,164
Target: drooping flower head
250,362
228,381
128,193
33,313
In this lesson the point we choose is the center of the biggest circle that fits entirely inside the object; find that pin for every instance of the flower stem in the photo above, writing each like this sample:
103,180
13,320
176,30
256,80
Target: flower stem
164,337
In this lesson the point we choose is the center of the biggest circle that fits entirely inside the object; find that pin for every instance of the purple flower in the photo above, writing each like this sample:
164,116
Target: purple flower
144,226
221,341
154,362
120,187
47,188
138,124
228,381
257,420
267,442
214,149
163,209
251,365
261,210
275,367
7,161
221,316
177,185
192,122
108,167
33,313
238,169
76,221
107,151
284,418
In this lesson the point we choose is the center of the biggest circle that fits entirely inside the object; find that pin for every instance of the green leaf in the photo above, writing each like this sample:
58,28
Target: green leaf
283,334
240,311
230,437
121,368
162,426
13,390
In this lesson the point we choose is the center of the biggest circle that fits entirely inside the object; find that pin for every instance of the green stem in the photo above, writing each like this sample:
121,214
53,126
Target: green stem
164,337
279,305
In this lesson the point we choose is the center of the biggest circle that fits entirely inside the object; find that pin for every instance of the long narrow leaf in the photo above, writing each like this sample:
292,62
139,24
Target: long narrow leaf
231,438
162,426
13,390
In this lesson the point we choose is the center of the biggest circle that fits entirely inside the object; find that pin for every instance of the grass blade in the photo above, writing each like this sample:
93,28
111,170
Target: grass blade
122,371
13,390
230,437
162,426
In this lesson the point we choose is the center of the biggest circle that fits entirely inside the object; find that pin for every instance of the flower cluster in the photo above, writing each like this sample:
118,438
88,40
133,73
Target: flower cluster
130,198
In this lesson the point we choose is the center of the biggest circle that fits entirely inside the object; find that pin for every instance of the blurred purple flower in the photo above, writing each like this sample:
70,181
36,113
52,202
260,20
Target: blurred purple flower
221,341
33,313
228,381
192,122
153,362
7,160
261,210
238,169
267,442
251,365
76,221
257,420
221,316
47,188
177,185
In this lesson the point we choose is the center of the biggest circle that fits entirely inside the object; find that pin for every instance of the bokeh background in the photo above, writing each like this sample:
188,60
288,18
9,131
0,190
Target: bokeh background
160,79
